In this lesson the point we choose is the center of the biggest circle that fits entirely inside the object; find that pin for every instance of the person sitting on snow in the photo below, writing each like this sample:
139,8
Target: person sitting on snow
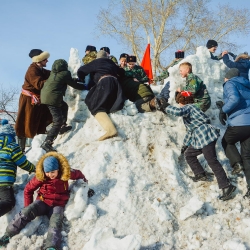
51,181
241,63
236,96
179,55
135,71
201,138
196,86
52,95
11,157
106,95
212,46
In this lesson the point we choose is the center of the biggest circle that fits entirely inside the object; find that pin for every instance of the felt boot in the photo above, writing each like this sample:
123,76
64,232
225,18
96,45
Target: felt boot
107,124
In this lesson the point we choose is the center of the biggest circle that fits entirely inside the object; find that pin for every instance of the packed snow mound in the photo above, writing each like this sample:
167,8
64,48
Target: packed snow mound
144,198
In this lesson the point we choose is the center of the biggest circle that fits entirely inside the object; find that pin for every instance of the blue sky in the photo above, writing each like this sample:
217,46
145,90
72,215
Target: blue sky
56,26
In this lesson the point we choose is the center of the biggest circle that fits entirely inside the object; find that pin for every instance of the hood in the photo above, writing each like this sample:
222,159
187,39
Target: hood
64,167
240,80
243,56
59,65
6,140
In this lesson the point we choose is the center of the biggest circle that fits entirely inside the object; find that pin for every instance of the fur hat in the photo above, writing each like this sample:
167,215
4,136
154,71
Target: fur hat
233,72
6,129
242,56
105,49
124,55
211,44
64,167
101,54
131,59
90,48
50,164
38,55
179,54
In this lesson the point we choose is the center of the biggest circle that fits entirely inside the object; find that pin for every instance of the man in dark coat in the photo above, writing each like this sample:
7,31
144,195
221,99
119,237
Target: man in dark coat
106,96
32,117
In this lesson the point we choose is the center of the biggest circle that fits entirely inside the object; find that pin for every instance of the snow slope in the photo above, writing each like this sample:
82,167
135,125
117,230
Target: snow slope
144,197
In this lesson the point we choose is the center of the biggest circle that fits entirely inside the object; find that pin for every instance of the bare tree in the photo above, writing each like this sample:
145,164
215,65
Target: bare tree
8,101
171,25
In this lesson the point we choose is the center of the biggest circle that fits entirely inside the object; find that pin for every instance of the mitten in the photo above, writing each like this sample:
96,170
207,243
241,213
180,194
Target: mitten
161,104
183,149
222,117
219,104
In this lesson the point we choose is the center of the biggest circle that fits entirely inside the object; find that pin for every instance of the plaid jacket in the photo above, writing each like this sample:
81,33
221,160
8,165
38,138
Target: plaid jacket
199,130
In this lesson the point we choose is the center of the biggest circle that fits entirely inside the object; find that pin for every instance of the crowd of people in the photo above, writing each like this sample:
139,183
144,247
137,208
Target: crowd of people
109,84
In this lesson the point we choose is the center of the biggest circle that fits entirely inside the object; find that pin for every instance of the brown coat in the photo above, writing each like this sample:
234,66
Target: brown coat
32,119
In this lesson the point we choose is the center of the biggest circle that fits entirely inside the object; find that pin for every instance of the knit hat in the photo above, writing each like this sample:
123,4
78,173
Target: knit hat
6,129
38,55
131,59
242,56
211,44
179,54
124,55
232,73
90,48
101,54
50,163
105,49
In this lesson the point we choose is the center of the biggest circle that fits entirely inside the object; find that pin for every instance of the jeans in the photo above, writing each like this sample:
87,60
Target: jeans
35,209
7,199
209,153
59,116
233,135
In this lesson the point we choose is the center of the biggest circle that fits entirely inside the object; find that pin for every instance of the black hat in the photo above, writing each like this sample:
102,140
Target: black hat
131,59
124,55
90,48
179,54
38,55
211,44
105,49
233,72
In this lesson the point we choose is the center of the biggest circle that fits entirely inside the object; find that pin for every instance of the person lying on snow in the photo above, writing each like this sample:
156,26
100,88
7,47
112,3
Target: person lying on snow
51,181
11,157
201,138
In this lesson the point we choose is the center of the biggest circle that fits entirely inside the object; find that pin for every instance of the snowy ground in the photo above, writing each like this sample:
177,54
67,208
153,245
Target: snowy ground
144,197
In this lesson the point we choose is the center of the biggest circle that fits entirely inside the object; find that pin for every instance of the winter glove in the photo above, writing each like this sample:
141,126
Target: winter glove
222,117
183,149
219,104
161,104
91,192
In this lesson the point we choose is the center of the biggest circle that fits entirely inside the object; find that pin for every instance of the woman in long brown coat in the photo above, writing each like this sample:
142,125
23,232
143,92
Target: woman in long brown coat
33,117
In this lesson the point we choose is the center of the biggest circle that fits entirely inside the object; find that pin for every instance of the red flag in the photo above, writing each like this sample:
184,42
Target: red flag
146,63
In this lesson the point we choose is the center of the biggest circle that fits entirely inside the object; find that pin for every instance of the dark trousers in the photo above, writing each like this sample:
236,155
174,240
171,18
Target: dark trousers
233,135
59,116
7,199
35,209
209,153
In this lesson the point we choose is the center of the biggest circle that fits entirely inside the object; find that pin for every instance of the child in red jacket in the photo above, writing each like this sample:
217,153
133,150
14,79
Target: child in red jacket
51,180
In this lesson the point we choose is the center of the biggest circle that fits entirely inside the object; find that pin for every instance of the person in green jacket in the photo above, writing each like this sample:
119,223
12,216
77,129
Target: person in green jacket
135,71
196,86
139,93
52,95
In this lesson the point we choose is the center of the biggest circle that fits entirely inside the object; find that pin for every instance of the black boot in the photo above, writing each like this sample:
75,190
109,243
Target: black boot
4,240
47,146
247,195
237,168
64,129
200,177
227,193
22,143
